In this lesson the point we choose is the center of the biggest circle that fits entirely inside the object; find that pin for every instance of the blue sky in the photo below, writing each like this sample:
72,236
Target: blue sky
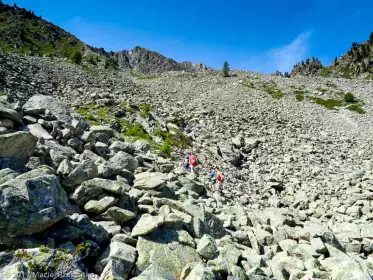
253,34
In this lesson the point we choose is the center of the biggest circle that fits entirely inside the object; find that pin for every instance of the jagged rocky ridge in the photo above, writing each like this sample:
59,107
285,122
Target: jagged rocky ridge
145,61
355,63
297,198
24,32
310,67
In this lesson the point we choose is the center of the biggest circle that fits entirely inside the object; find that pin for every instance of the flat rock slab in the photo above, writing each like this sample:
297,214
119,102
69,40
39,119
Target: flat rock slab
38,131
147,224
20,145
102,129
150,180
57,108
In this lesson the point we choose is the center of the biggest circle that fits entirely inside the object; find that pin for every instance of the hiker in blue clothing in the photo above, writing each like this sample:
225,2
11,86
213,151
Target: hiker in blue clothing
213,177
186,161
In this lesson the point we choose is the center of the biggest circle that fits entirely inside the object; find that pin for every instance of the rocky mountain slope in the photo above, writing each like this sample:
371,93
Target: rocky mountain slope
105,148
91,178
24,32
356,62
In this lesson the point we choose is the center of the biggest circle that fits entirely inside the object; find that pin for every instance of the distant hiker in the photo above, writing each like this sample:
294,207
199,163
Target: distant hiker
186,161
213,177
193,162
220,178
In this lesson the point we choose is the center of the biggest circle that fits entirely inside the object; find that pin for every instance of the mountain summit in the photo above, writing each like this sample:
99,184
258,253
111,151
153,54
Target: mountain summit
146,61
24,32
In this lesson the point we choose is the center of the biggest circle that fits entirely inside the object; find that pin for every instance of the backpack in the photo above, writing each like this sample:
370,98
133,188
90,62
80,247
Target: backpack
193,160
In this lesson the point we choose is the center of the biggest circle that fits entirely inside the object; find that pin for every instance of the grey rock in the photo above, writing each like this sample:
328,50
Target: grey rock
124,238
150,180
142,146
118,146
83,172
20,145
116,214
12,115
147,224
119,255
164,254
207,247
60,110
99,206
102,129
109,226
39,132
197,271
45,203
7,124
116,164
89,229
7,174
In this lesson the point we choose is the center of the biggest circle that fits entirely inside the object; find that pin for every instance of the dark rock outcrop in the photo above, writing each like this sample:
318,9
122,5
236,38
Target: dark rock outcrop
307,68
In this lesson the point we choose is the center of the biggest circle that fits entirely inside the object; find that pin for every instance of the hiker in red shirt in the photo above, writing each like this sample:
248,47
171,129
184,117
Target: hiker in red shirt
193,162
220,178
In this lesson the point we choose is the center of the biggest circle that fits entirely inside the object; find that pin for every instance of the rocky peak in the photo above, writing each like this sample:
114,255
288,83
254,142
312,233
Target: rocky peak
310,67
145,61
358,61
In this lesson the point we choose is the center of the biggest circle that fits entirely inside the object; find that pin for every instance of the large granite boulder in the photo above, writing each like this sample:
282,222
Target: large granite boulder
164,253
83,172
30,203
12,115
150,180
116,164
120,254
61,111
20,145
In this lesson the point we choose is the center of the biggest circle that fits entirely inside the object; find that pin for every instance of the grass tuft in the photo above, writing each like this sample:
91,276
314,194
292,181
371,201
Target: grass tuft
356,108
299,94
137,132
273,91
144,77
327,103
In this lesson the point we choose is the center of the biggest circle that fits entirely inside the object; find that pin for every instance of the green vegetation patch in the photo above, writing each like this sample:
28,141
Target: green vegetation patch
77,57
323,90
331,85
166,148
137,132
326,72
273,91
347,100
91,70
145,110
172,138
187,75
346,72
249,84
356,108
300,94
144,77
349,97
113,116
327,103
